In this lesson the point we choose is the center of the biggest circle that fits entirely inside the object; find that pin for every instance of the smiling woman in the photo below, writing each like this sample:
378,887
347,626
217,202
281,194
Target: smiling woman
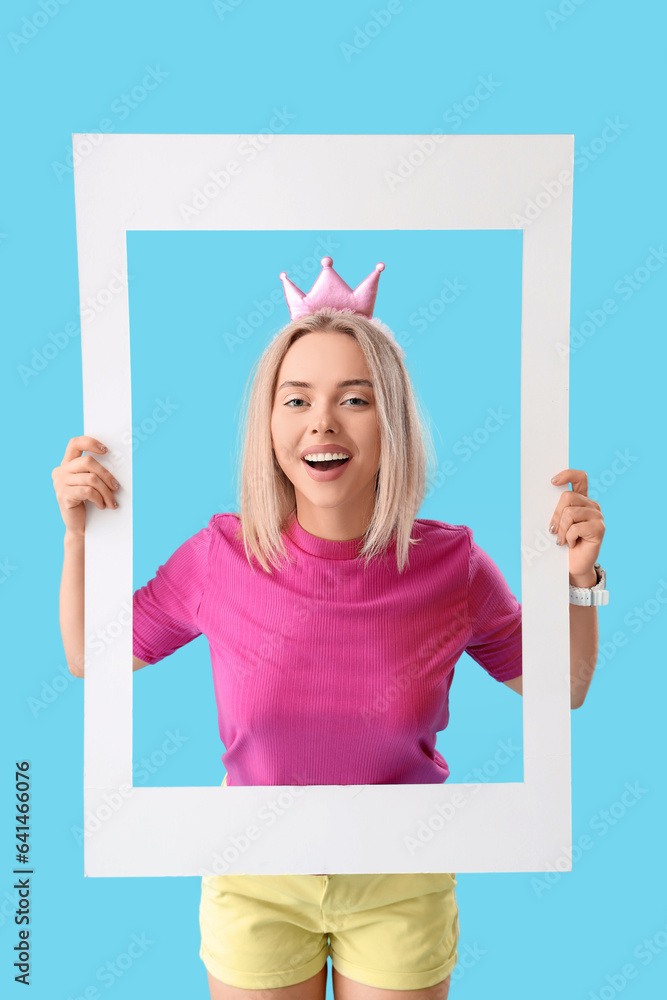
334,418
336,458
328,415
332,383
333,653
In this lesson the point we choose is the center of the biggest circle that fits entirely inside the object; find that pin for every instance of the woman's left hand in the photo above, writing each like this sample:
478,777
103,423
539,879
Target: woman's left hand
578,521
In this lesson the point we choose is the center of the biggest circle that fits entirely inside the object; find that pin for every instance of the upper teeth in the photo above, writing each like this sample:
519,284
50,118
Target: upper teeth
329,457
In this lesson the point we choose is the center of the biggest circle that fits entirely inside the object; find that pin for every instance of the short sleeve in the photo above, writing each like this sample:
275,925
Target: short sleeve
165,610
494,618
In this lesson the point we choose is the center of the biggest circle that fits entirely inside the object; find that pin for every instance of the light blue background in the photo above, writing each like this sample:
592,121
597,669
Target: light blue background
193,348
520,936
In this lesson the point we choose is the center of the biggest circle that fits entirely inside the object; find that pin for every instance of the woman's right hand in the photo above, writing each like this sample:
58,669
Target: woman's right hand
81,477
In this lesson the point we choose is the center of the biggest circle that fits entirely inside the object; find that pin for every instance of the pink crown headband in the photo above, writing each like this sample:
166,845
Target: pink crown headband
329,290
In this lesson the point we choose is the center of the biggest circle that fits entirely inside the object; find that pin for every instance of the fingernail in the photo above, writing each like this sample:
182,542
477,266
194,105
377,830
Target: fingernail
115,502
102,446
115,485
552,527
555,479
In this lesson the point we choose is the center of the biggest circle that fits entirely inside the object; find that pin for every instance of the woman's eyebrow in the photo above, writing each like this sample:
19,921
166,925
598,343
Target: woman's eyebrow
341,385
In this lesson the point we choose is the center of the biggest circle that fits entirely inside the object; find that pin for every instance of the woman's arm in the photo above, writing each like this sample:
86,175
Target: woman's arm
578,522
72,604
71,601
583,649
76,480
583,643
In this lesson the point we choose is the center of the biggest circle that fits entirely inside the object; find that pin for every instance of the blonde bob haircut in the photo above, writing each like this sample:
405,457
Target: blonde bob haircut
266,497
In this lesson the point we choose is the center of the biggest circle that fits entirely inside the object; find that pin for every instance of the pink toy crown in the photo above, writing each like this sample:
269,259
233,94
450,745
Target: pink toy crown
330,290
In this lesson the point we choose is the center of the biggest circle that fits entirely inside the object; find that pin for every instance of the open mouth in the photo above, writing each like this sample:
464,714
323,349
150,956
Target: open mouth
325,466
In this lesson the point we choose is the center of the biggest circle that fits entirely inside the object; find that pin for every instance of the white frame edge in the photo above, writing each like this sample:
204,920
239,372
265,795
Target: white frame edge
472,182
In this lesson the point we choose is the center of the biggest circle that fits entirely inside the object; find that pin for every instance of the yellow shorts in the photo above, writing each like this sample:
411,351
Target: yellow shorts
394,931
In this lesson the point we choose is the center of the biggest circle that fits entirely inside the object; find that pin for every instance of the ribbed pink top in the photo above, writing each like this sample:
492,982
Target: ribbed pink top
326,673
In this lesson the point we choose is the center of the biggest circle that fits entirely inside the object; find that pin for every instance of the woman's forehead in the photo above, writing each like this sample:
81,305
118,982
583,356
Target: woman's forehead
326,354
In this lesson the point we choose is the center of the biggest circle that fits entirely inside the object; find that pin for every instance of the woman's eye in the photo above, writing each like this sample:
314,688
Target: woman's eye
353,399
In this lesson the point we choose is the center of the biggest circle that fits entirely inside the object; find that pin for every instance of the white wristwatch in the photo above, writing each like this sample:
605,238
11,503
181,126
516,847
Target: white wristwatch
591,595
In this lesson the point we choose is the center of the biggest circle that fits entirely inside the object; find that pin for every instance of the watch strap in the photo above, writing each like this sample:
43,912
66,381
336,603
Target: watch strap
596,595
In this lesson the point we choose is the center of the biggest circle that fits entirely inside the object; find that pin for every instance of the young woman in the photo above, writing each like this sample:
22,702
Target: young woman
333,647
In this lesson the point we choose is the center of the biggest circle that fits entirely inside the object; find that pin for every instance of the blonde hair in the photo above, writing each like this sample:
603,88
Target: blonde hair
266,497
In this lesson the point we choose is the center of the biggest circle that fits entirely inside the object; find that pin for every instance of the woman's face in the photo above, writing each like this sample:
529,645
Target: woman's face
325,416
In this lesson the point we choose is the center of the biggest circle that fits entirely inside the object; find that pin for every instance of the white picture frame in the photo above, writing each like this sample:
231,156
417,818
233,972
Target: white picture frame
311,182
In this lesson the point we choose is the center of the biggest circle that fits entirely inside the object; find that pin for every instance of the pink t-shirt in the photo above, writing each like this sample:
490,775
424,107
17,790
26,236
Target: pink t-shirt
326,673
